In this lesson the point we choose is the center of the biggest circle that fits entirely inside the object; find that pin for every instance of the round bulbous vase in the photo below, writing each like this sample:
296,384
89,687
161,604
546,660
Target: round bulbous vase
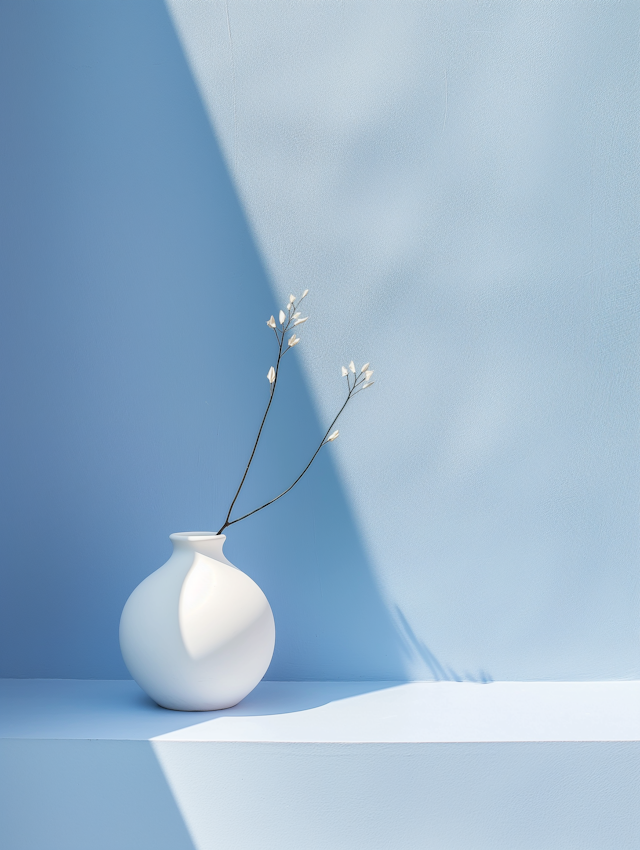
197,634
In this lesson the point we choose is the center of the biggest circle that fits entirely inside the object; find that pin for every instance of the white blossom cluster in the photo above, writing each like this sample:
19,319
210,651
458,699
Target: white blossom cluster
288,318
359,382
363,380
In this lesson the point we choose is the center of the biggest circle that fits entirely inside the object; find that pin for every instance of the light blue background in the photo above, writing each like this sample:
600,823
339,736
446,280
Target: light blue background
457,185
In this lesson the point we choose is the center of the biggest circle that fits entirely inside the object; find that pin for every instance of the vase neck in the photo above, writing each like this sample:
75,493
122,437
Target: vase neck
204,542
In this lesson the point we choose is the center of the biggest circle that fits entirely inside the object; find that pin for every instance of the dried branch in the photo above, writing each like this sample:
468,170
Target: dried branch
356,382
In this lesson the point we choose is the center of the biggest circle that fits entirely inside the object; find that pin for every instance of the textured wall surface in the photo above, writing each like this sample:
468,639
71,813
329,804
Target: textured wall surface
457,186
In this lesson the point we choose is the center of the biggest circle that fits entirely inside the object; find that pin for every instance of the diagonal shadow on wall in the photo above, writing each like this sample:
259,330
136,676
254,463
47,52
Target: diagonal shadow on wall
134,337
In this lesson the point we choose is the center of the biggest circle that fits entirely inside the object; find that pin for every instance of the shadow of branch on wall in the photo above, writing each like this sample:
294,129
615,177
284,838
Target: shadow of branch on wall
439,672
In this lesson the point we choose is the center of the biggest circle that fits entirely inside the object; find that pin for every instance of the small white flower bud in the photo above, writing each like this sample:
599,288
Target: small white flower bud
271,375
282,317
364,368
345,371
300,321
272,322
304,294
352,366
292,298
295,315
368,374
294,341
370,384
333,436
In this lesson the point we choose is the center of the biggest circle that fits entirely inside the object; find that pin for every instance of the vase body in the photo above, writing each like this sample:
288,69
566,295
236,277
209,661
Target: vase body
197,634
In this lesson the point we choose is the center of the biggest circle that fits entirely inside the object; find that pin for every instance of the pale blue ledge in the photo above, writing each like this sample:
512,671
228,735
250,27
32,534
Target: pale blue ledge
91,765
330,712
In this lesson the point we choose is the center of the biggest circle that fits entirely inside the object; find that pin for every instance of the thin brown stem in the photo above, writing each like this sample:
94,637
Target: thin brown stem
255,445
315,454
280,336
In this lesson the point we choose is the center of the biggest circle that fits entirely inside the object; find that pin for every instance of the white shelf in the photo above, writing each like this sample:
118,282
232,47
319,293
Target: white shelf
330,712
322,766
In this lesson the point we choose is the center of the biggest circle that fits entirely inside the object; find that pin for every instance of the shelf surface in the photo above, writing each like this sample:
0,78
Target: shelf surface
330,712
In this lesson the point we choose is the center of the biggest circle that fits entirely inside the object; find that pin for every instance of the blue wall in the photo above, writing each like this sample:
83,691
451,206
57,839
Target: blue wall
457,185
134,360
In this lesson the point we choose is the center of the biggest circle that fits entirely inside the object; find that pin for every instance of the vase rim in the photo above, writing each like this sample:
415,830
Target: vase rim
196,536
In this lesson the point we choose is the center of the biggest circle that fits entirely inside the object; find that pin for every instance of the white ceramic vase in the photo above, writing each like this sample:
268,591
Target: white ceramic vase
198,634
